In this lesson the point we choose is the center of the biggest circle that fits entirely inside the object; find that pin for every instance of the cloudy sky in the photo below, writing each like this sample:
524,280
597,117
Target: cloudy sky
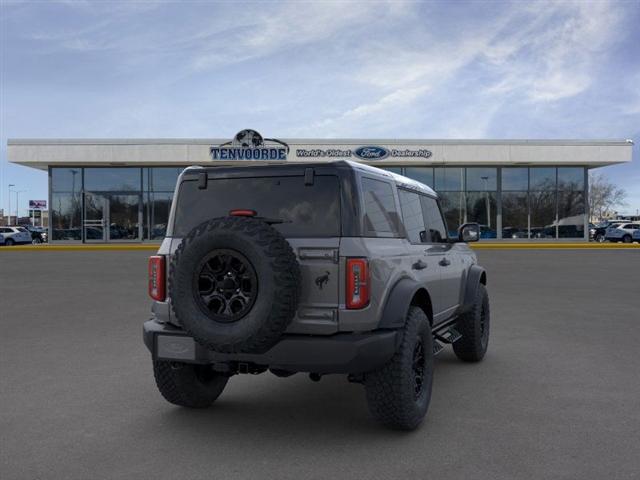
449,69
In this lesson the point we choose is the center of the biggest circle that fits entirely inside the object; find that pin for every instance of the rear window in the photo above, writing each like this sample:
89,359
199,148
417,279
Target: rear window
307,210
380,215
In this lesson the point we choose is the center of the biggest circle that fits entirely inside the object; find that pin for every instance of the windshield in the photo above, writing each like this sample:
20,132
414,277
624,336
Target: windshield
305,210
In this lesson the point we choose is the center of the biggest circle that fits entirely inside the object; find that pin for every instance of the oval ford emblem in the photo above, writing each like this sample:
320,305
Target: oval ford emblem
371,153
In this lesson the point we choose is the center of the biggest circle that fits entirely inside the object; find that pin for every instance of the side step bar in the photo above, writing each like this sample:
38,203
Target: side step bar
447,335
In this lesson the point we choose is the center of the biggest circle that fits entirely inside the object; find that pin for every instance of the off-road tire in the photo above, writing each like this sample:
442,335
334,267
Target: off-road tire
187,385
278,284
474,328
391,391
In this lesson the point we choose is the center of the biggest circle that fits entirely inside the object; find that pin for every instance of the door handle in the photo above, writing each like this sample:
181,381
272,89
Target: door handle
444,262
419,265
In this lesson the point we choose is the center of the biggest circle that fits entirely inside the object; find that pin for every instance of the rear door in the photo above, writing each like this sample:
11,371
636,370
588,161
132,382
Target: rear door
425,257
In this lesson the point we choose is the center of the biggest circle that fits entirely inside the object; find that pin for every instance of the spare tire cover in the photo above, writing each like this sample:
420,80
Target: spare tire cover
234,284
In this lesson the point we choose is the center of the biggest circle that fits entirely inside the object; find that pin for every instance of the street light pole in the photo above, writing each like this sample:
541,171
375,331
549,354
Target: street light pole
9,215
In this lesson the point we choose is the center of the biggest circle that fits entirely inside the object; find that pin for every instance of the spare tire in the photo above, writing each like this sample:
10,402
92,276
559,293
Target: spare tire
234,284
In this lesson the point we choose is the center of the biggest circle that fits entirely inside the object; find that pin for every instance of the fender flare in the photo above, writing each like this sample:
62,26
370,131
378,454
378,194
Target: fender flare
398,301
475,276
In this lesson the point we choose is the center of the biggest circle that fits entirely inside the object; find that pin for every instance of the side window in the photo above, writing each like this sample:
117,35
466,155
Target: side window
380,214
436,231
412,216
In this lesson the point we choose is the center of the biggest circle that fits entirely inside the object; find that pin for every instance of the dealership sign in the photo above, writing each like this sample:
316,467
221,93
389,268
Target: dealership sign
367,152
38,204
250,145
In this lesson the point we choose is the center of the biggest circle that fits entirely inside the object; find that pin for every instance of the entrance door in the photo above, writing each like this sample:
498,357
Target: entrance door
95,217
112,217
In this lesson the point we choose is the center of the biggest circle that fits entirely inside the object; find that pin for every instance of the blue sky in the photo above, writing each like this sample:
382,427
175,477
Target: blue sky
322,69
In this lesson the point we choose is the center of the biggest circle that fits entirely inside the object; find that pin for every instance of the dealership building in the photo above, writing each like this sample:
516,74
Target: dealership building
120,190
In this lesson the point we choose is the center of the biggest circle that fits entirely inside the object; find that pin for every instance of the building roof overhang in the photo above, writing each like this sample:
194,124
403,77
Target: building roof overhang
43,153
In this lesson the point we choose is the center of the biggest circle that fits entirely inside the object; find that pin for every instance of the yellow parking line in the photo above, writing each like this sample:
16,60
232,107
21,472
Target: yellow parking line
478,246
549,246
48,248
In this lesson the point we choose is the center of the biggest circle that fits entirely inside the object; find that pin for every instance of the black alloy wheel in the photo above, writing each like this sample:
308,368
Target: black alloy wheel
226,285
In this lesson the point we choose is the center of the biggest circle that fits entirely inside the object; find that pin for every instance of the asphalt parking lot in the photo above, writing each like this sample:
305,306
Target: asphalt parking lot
558,395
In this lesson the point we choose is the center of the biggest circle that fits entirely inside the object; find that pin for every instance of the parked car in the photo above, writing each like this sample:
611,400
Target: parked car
599,231
15,235
623,232
38,234
321,268
514,232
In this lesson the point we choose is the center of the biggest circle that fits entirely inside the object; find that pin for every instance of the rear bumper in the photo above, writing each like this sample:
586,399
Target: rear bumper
339,353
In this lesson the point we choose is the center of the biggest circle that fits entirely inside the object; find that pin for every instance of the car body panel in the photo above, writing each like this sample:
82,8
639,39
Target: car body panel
439,269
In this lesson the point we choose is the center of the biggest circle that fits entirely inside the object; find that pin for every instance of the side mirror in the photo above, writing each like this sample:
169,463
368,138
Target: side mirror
469,232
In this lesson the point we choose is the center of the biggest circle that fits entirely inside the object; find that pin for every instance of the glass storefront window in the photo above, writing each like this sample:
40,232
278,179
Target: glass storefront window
397,170
420,174
482,208
482,179
516,179
453,208
159,207
66,179
543,214
451,179
571,211
542,178
66,216
164,179
112,179
515,215
571,178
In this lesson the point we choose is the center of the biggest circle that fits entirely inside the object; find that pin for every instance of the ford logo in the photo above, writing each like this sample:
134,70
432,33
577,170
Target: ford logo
371,153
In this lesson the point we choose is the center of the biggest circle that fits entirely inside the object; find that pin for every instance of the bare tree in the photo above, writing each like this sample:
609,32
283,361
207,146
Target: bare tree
604,196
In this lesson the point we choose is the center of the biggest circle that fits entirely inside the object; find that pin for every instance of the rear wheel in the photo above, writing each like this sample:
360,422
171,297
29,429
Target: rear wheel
187,385
399,393
626,239
474,327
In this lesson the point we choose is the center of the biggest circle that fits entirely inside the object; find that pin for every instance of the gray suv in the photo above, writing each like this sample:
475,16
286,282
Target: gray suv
320,268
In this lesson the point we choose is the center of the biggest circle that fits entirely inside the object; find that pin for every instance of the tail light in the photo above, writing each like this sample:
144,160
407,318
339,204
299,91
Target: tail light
239,212
357,283
157,280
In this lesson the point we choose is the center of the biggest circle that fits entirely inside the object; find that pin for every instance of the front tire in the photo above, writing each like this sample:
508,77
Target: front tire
600,238
187,385
9,242
399,393
474,327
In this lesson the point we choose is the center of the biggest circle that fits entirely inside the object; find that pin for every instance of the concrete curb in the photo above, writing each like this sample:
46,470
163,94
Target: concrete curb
475,246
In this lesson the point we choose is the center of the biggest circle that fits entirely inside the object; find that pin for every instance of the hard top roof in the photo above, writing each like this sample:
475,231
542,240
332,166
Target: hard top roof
294,168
